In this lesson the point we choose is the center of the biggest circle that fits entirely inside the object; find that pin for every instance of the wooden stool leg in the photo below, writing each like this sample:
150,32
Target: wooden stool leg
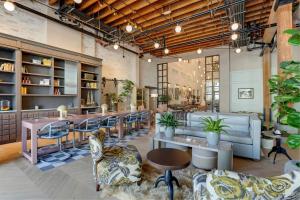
97,187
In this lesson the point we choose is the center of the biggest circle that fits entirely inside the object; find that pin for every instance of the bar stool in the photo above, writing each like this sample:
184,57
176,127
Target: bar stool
108,123
130,120
143,118
90,125
55,130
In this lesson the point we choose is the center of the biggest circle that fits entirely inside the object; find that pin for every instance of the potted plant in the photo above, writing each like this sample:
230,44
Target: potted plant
114,100
214,128
286,88
164,98
169,122
127,88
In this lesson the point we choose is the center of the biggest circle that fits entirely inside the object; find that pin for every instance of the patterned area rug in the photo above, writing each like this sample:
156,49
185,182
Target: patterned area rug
57,159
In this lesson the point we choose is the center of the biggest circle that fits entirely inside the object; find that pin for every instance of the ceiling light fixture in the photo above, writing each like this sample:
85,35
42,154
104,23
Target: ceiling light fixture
199,51
167,51
149,60
116,46
238,50
234,36
9,6
156,45
235,26
178,28
128,28
179,59
78,1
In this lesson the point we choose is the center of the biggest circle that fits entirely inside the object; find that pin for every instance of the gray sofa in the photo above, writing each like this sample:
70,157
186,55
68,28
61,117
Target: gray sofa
244,131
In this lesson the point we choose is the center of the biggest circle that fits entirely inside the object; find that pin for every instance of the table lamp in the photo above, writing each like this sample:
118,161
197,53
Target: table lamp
62,109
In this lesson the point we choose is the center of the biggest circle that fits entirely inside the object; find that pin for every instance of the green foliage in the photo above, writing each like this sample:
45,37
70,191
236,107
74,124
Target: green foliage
293,141
115,98
164,98
215,126
295,36
128,86
168,120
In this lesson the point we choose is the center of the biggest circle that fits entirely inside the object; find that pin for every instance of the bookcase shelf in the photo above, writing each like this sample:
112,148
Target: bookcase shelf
35,74
36,64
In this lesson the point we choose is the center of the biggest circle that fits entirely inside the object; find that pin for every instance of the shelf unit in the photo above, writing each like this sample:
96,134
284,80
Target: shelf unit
90,88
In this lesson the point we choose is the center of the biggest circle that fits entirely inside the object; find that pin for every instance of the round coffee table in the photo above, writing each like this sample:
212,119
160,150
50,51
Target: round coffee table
168,159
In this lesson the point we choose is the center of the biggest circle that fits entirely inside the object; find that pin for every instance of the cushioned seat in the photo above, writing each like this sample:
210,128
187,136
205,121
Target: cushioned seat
223,185
231,136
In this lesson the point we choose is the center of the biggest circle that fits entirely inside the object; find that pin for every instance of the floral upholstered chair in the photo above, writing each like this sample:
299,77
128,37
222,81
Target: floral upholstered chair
114,165
221,185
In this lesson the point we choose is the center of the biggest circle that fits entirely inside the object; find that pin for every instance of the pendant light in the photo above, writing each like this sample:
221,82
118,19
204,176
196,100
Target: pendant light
179,59
178,28
116,46
78,1
129,28
149,60
156,45
238,50
199,51
234,36
235,26
9,6
166,51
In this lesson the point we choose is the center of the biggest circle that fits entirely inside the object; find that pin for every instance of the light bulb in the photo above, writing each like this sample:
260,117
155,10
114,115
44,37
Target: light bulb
78,1
199,51
149,60
234,36
128,28
156,45
177,28
199,67
179,59
235,26
166,51
116,46
9,6
238,50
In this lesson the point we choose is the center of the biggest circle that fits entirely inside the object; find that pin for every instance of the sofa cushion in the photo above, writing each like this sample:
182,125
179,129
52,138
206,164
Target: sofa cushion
236,122
196,118
237,139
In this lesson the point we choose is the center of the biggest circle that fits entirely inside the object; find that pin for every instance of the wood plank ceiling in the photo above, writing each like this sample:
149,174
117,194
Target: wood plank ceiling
146,15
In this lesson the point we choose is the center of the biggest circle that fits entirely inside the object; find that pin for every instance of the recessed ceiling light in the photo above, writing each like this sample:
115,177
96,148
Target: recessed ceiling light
149,60
167,51
78,1
234,36
199,51
177,28
179,59
156,45
9,6
235,26
238,50
116,46
128,28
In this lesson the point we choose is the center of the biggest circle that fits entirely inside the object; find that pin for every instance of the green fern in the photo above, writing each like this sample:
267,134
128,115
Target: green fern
215,126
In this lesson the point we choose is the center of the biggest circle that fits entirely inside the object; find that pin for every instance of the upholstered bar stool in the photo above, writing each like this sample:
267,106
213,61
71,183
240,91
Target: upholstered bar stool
143,118
130,120
108,123
55,130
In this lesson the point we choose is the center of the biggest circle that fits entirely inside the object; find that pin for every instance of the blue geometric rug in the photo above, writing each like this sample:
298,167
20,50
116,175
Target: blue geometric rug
58,158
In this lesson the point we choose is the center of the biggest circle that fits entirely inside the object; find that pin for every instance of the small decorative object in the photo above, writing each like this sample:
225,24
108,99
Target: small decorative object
277,132
214,128
246,93
4,105
47,62
7,67
36,107
62,109
132,108
104,109
169,122
103,81
36,61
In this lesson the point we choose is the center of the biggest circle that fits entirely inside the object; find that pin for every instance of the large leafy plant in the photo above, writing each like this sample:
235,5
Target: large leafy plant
216,126
168,120
127,88
286,88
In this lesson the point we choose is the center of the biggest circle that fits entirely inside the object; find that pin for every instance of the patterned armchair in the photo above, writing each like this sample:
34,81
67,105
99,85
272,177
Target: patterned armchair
114,165
223,185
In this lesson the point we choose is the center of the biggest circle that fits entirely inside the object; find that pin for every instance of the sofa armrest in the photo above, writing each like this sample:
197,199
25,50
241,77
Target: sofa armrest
255,132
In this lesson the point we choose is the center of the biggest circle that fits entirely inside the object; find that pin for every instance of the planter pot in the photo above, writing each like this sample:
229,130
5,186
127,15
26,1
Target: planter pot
291,166
169,132
213,138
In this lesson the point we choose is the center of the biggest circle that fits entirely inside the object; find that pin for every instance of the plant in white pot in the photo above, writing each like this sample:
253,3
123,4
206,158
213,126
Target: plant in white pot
169,122
213,128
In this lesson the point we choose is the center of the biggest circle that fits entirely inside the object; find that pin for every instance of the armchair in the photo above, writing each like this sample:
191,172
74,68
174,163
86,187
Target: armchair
114,165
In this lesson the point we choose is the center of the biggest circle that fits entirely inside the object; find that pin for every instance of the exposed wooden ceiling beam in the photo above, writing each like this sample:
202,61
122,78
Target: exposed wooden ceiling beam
98,7
86,4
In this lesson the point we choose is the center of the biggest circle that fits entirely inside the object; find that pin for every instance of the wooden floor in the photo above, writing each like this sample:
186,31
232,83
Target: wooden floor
21,180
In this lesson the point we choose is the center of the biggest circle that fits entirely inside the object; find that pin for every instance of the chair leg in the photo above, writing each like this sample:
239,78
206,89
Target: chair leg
97,187
73,141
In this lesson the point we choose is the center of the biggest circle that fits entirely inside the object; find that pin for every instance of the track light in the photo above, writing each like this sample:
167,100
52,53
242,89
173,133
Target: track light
149,60
178,28
235,26
234,36
78,1
179,59
199,51
238,50
116,46
128,28
167,51
156,45
9,6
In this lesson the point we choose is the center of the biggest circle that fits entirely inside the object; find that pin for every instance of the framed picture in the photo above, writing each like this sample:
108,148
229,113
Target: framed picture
246,93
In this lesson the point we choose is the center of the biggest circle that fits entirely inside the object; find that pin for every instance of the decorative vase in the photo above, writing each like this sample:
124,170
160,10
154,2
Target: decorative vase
132,108
169,132
291,166
213,138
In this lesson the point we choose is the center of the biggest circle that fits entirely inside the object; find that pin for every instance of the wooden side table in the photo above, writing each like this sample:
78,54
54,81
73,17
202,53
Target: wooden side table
168,159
